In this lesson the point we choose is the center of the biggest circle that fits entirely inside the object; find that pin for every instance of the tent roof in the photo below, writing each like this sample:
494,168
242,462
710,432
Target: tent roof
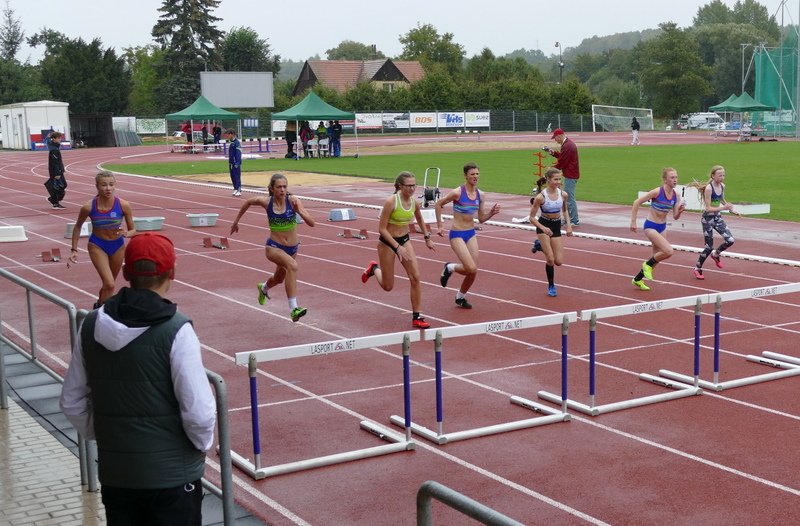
311,108
202,108
743,102
723,106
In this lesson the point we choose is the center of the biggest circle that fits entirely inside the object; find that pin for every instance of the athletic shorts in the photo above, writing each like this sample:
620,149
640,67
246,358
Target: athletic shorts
289,250
466,235
110,247
402,240
552,224
658,227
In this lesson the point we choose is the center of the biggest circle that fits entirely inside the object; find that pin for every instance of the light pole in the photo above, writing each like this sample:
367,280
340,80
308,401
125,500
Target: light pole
560,64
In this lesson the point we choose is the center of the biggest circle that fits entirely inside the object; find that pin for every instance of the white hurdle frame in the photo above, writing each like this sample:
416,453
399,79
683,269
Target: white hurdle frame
551,415
397,442
680,390
790,366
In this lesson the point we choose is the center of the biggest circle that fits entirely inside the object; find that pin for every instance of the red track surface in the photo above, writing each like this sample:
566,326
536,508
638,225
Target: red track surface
719,458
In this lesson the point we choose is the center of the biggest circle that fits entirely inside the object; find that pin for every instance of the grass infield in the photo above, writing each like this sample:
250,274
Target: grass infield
756,172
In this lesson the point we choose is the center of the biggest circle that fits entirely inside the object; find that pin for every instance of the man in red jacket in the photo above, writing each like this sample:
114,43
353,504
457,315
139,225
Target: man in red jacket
567,162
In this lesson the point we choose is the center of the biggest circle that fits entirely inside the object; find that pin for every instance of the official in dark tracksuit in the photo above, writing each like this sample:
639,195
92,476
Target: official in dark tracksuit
56,184
234,160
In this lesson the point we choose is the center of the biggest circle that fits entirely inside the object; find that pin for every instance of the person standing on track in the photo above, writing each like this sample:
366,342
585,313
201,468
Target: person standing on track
713,195
662,200
398,211
106,211
635,127
137,385
552,203
56,183
567,161
467,203
282,210
234,160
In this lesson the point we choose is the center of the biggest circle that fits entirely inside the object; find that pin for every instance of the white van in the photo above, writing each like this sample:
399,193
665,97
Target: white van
705,120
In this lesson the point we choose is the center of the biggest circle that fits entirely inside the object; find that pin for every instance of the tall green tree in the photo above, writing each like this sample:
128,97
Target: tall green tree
243,50
352,50
714,12
189,38
423,43
11,34
672,71
143,63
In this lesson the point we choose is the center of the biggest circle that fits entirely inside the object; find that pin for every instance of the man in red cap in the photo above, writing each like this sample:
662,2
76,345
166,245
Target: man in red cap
136,384
567,162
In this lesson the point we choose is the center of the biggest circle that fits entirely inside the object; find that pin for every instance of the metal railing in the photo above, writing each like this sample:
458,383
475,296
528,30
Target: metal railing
87,449
471,508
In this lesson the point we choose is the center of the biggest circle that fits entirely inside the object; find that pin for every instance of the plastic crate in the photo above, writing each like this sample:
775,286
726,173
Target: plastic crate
202,219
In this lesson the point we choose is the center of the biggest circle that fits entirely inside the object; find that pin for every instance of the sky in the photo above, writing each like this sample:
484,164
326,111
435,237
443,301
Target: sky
298,31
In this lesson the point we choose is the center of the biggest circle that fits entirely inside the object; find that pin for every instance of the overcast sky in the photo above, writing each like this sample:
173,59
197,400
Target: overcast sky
299,30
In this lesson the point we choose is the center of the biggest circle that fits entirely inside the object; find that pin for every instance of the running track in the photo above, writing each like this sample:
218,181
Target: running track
719,458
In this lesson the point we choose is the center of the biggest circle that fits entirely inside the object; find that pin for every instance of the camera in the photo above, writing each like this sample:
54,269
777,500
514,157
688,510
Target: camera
546,149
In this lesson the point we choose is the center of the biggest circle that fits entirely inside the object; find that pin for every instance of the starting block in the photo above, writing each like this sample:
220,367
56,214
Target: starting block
222,245
348,234
51,255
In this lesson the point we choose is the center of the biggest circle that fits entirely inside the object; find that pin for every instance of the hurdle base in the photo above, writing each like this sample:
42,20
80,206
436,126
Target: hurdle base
398,443
680,391
789,366
551,417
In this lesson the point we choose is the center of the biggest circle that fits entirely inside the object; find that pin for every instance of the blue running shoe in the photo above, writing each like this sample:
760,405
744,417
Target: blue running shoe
537,246
551,291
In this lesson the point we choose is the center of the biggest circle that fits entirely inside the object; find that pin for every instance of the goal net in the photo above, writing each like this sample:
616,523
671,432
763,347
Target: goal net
618,118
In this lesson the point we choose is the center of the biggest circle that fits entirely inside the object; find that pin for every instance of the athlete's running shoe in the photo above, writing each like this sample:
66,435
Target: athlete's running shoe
717,260
262,295
445,275
648,271
537,246
298,312
698,273
420,323
369,271
640,284
551,291
463,303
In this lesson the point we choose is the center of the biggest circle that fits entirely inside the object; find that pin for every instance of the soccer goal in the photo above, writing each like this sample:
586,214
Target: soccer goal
618,118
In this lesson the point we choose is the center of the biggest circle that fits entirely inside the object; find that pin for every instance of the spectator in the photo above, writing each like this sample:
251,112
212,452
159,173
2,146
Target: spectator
56,183
204,132
567,162
635,130
291,139
306,134
187,131
336,139
216,131
137,385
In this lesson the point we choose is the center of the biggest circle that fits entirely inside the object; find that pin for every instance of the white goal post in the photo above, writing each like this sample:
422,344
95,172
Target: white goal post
618,118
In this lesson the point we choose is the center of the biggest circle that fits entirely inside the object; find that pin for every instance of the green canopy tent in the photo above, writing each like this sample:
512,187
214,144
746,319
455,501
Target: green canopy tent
723,106
201,109
311,108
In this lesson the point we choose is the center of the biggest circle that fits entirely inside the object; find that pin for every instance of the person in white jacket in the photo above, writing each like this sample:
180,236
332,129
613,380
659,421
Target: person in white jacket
136,384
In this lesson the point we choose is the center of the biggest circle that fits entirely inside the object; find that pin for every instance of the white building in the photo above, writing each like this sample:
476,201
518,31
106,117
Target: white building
24,123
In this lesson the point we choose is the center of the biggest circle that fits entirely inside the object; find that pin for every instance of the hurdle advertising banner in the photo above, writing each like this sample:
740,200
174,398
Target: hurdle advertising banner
450,119
368,121
477,119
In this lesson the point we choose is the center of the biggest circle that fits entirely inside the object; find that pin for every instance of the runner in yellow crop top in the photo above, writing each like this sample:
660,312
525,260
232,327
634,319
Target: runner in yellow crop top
398,211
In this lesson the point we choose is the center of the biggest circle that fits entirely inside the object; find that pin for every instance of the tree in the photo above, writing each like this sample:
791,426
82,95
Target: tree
243,50
90,78
672,71
351,50
754,14
11,34
714,12
186,33
424,44
143,64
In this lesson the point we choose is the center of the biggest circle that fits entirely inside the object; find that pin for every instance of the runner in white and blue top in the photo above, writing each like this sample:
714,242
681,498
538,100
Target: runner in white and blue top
662,200
548,210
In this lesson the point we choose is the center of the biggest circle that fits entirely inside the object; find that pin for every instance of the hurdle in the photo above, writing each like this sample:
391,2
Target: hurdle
680,390
551,415
396,441
790,365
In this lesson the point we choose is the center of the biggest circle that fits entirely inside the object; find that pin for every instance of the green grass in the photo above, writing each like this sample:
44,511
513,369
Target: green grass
756,172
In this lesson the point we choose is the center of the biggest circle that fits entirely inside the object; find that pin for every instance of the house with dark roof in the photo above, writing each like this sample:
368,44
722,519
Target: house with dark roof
342,75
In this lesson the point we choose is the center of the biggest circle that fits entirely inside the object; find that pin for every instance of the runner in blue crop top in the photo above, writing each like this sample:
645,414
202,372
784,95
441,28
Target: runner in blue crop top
713,194
662,200
282,245
106,213
467,204
548,209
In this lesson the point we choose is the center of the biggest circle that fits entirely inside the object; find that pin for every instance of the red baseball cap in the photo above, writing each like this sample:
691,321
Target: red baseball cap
558,131
152,247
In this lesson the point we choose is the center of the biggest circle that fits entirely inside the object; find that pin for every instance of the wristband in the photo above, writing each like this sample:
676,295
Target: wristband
73,250
427,236
395,249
